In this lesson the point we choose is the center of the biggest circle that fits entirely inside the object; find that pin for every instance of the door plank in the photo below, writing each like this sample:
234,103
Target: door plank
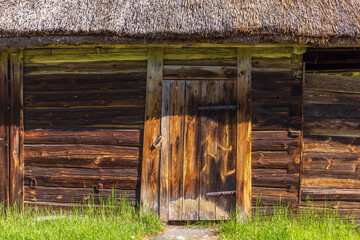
177,101
149,195
225,162
243,148
191,163
164,161
208,148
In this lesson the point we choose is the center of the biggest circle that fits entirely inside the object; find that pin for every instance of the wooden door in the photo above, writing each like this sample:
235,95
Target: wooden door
198,153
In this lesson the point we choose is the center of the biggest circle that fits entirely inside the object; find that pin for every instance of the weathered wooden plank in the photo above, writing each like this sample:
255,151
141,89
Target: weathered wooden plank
271,76
271,63
80,155
125,179
87,55
4,164
273,196
208,148
341,174
149,198
226,157
330,182
98,136
275,145
66,100
332,110
331,204
199,72
176,164
324,97
88,82
331,127
202,62
274,178
127,117
84,50
16,127
77,195
112,67
243,132
330,194
276,159
332,161
331,144
165,152
189,53
191,152
276,52
332,83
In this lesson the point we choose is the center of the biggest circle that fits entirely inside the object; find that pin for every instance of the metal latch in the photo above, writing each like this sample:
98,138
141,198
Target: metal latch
216,194
33,183
219,107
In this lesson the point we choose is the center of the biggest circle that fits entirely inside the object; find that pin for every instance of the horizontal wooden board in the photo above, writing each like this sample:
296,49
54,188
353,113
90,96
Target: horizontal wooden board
273,196
83,50
125,179
324,97
230,62
332,83
332,110
63,100
330,194
268,76
110,67
331,127
331,204
331,144
272,63
80,155
332,161
330,182
108,117
199,72
88,82
95,136
274,178
275,159
76,195
189,53
274,52
86,55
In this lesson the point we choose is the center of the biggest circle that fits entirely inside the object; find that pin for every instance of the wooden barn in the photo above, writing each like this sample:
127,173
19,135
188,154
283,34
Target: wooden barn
190,108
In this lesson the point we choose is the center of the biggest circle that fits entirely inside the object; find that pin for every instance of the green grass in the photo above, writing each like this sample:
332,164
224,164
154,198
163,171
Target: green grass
306,224
112,220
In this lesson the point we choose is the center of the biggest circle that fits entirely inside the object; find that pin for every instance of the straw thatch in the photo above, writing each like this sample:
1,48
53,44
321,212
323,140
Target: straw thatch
312,22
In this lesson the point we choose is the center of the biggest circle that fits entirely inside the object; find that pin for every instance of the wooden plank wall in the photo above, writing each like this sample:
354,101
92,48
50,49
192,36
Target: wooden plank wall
276,111
331,143
84,118
276,114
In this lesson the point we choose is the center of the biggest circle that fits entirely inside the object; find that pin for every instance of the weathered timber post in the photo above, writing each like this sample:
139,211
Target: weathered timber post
149,193
243,154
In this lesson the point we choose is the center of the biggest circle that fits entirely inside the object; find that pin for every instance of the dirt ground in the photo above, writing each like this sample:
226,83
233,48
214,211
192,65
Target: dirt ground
172,232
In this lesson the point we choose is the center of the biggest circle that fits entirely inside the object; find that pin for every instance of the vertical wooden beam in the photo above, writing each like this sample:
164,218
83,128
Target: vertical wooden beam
149,193
16,129
243,132
4,166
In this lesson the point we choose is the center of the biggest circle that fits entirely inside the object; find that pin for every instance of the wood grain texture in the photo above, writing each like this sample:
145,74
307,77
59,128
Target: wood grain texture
208,149
191,151
199,72
151,158
165,152
16,128
243,133
332,83
4,152
226,157
176,144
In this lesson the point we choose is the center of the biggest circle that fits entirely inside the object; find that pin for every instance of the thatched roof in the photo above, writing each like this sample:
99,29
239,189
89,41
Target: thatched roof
312,22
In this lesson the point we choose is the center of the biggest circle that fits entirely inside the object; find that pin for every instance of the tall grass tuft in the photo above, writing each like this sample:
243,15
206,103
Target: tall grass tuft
111,219
280,224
